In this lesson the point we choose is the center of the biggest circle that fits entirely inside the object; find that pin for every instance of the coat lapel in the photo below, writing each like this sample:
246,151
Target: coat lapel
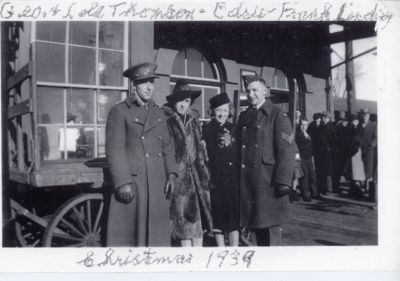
153,118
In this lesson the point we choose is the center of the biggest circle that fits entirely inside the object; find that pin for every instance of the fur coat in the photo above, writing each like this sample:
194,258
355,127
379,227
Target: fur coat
190,210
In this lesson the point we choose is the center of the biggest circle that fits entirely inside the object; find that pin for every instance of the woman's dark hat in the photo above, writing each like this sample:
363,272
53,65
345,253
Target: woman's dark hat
141,72
219,100
182,91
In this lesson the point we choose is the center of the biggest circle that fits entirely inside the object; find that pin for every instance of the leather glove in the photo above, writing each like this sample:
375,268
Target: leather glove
170,185
125,193
225,139
282,190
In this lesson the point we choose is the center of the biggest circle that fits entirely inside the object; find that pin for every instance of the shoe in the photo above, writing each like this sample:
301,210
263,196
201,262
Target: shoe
307,199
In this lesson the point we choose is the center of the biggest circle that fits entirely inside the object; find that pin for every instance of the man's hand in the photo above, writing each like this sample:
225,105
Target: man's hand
170,185
125,193
282,190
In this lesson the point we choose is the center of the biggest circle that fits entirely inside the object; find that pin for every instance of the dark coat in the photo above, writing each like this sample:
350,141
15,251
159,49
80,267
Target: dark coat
190,202
266,141
223,165
326,142
139,151
368,138
304,145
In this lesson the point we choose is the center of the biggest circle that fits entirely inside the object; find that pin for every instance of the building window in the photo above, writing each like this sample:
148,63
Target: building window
279,80
192,66
79,78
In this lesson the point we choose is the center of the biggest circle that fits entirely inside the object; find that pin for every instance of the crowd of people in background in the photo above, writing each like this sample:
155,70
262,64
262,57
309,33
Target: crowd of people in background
335,154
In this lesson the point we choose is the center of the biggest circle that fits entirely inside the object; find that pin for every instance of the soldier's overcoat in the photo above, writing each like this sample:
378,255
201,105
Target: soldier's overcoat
140,151
267,150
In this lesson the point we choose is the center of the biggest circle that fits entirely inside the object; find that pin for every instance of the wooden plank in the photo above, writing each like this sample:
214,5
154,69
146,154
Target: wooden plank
19,77
21,108
18,176
26,213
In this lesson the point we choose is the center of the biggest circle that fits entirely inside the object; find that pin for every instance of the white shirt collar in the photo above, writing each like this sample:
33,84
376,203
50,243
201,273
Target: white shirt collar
260,105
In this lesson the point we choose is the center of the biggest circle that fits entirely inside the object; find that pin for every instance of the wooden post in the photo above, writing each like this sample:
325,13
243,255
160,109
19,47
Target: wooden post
141,42
293,96
349,74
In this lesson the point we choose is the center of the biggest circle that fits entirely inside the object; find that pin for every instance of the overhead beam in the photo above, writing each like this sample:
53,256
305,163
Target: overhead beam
342,36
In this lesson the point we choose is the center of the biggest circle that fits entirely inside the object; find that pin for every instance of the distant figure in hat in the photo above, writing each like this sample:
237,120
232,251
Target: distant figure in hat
223,164
140,155
356,171
267,157
326,142
369,136
339,149
190,202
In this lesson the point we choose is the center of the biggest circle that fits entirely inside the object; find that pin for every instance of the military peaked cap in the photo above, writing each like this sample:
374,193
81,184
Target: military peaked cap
248,79
141,71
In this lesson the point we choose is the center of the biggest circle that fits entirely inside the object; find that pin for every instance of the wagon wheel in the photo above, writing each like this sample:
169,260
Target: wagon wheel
28,232
77,223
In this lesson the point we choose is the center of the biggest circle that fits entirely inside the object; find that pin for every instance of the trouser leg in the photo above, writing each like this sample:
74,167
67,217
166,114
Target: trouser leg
304,181
271,236
312,178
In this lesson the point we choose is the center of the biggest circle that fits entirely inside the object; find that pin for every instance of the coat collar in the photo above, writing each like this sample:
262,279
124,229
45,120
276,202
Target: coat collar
266,109
133,100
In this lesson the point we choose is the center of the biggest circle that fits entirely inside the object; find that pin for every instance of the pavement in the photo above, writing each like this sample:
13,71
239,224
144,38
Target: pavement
335,220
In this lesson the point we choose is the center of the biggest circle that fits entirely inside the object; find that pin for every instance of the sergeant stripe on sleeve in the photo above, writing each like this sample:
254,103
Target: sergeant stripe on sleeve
289,138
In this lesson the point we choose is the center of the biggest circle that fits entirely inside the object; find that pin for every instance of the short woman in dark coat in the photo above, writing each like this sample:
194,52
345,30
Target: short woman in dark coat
190,209
223,167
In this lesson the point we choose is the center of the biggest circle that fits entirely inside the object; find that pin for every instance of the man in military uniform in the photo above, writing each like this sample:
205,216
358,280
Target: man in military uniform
140,156
266,141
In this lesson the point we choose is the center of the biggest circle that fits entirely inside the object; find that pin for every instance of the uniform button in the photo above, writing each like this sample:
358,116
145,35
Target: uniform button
244,146
230,163
136,120
147,155
256,145
159,154
254,165
258,126
159,120
244,127
159,137
243,166
142,137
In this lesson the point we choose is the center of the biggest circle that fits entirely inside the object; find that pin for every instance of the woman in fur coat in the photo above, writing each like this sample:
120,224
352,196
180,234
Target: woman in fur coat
190,209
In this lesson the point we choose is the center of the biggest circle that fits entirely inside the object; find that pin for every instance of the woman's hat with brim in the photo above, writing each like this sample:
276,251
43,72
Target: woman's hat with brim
219,100
182,90
141,72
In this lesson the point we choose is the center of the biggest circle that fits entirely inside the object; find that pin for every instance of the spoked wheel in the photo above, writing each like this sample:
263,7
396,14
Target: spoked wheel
28,232
77,223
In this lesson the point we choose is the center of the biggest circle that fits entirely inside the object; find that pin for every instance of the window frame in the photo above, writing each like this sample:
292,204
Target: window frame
200,82
95,88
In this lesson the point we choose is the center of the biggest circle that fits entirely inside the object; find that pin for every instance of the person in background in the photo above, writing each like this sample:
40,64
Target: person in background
267,154
339,155
308,183
190,209
223,164
326,139
140,155
298,118
368,137
356,174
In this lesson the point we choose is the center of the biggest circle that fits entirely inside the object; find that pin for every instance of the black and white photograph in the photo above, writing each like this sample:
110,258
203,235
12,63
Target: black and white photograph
178,134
